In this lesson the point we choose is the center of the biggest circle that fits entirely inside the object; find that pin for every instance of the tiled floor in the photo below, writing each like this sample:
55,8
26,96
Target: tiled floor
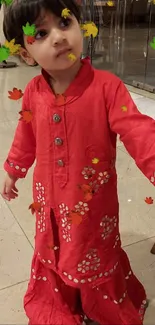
137,219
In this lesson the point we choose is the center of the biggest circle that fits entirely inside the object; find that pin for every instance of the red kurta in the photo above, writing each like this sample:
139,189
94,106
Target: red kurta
78,254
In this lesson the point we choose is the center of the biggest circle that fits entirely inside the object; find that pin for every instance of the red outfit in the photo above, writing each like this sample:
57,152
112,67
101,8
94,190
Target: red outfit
78,265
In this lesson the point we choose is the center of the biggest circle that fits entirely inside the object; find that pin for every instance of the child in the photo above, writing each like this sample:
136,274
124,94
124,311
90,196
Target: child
78,267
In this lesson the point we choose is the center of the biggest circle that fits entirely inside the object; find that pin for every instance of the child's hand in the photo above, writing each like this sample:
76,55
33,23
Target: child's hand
9,190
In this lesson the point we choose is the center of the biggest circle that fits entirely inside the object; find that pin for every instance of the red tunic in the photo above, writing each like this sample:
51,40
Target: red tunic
78,259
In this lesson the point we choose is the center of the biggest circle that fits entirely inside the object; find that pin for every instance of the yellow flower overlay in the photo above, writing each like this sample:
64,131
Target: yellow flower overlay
65,13
95,161
13,48
124,108
110,3
90,29
71,56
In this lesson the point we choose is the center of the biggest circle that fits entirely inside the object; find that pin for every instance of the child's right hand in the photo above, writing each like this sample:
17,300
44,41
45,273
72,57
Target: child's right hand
9,190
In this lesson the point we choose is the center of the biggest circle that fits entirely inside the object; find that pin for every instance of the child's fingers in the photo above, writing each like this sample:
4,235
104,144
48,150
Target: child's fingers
15,189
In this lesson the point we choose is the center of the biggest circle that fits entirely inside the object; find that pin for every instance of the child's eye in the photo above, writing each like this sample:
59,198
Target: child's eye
65,22
40,34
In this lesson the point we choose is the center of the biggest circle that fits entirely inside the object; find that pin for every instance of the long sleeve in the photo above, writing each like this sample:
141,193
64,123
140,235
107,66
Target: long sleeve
23,149
137,131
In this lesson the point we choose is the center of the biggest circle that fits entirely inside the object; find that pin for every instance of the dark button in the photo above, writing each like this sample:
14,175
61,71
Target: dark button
60,163
58,141
56,118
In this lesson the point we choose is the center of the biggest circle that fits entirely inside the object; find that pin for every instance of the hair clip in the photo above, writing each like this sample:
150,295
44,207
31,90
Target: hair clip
29,31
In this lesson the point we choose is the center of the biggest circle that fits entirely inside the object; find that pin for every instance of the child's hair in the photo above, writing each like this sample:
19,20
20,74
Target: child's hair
20,12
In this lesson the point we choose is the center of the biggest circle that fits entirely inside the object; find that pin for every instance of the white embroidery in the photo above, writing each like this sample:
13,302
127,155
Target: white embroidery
128,275
95,186
41,215
142,309
117,239
81,208
103,177
88,172
38,277
152,179
11,164
66,227
64,210
91,262
108,225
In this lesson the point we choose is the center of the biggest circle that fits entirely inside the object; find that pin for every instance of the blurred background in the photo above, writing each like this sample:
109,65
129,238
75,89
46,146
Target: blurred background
126,28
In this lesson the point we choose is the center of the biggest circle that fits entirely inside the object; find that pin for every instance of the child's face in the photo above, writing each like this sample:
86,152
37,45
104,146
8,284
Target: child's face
55,39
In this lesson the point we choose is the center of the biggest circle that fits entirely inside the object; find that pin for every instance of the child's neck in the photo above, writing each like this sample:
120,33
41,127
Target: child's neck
60,80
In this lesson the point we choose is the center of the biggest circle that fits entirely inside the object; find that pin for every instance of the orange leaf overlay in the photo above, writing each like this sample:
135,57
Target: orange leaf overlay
30,39
75,218
35,207
95,161
15,94
149,200
87,192
26,116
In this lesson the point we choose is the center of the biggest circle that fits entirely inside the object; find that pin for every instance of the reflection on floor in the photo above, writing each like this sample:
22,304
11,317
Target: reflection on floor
137,219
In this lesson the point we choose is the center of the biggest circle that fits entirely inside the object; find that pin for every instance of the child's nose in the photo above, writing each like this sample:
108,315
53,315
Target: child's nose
57,37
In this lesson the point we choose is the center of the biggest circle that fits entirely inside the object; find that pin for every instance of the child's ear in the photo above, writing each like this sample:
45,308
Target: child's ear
27,57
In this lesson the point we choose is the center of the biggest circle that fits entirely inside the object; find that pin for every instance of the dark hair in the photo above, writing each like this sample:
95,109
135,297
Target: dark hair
20,12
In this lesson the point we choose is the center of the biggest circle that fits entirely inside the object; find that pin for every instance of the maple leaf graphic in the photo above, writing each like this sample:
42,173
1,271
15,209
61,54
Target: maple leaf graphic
90,29
110,3
26,116
15,94
71,56
65,13
30,39
13,48
152,44
149,200
95,161
29,30
4,53
6,2
35,207
124,108
75,218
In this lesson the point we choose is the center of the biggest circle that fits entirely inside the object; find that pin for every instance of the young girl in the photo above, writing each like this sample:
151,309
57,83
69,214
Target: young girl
79,268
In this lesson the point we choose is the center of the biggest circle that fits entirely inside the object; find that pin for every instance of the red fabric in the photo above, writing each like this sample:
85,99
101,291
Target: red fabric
84,261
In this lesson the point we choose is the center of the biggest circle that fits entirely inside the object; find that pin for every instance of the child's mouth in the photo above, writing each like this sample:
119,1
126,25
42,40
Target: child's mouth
63,52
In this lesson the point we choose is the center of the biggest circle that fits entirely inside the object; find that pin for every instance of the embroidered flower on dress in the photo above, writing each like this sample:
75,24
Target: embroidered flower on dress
66,227
95,186
152,179
88,172
103,177
41,215
108,224
82,208
90,263
63,209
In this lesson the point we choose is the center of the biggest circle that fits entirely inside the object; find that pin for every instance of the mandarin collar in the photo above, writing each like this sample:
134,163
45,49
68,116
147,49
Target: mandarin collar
82,80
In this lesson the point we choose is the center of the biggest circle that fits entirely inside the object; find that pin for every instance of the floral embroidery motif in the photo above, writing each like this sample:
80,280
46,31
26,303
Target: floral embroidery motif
65,223
117,239
38,277
89,279
108,225
142,309
64,209
103,177
66,227
95,186
41,215
88,172
152,179
91,263
82,208
11,164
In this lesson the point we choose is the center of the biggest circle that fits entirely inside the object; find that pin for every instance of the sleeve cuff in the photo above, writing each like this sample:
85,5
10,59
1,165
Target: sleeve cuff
14,169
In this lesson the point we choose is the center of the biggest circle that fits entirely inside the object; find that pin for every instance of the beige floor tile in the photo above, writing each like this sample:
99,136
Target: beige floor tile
15,250
11,305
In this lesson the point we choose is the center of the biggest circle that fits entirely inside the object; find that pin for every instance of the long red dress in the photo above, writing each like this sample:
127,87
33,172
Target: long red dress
78,265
